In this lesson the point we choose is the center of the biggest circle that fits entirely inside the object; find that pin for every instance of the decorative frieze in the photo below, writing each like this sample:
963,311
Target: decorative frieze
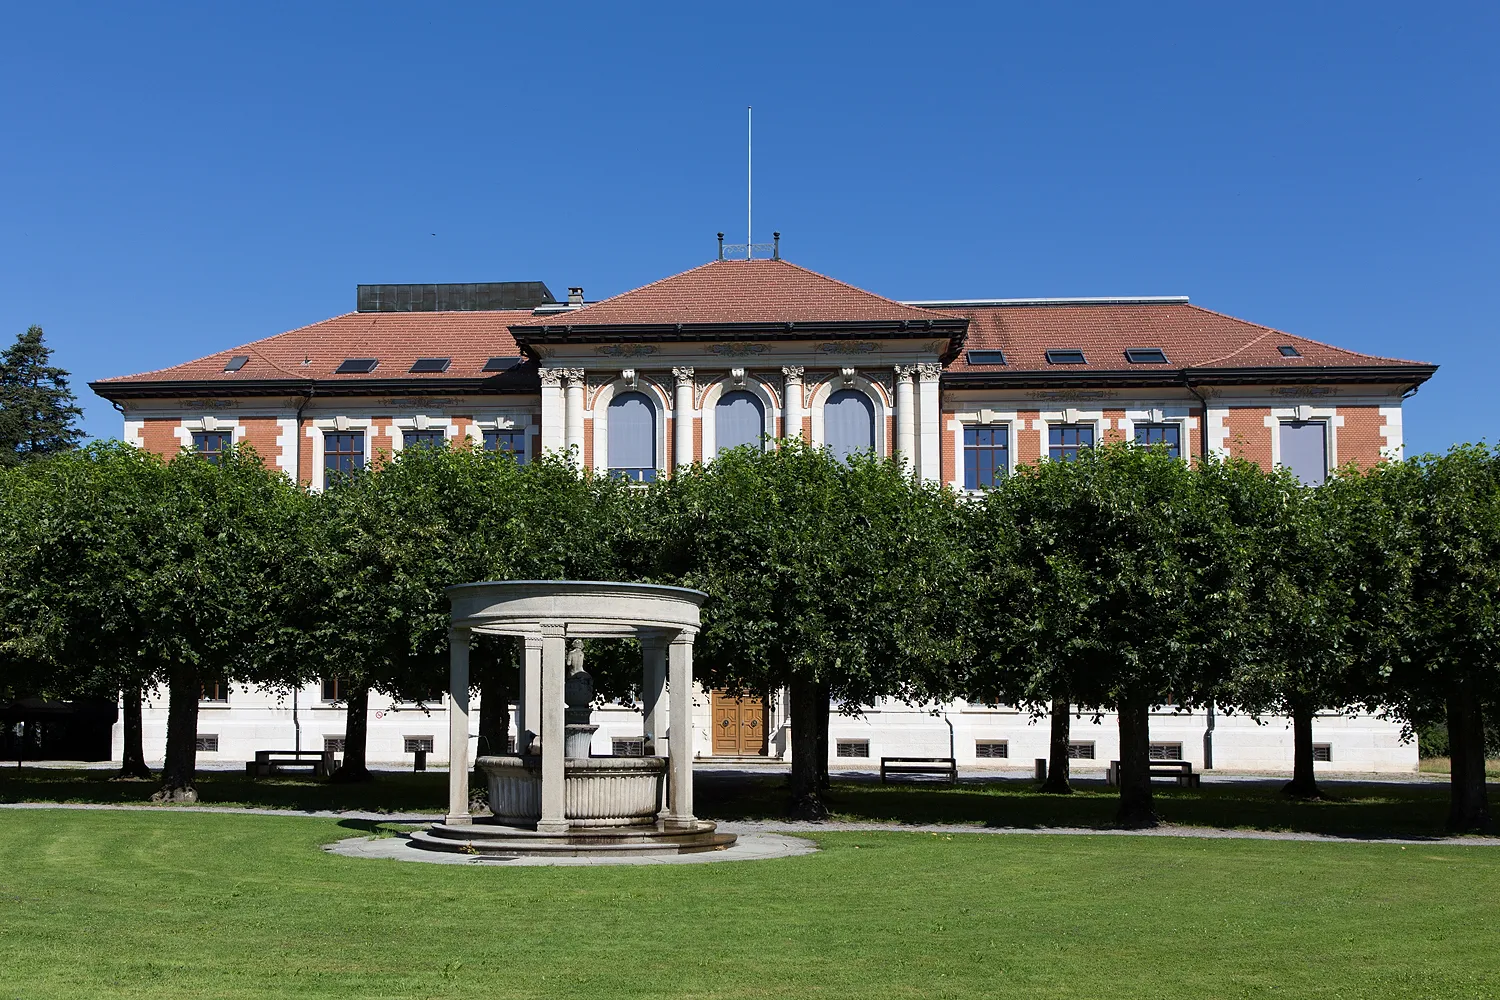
206,404
849,347
737,350
626,350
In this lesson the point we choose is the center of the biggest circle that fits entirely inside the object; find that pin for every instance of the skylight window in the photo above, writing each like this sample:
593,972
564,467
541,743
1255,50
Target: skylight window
431,365
501,364
986,357
1145,355
1288,351
357,366
236,363
1066,358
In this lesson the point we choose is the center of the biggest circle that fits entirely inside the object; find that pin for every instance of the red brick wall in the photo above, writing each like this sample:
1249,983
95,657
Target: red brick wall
1249,437
159,436
304,453
588,444
698,439
947,459
1113,432
1026,447
260,433
1359,439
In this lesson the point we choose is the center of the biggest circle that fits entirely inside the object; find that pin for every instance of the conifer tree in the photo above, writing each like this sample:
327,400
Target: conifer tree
38,414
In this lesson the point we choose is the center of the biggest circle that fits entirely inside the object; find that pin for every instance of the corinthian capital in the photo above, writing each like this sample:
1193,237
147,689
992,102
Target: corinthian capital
793,373
552,376
684,376
929,371
904,372
572,374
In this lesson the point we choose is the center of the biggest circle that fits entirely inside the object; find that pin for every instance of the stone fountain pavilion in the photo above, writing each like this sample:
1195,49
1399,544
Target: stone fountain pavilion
552,797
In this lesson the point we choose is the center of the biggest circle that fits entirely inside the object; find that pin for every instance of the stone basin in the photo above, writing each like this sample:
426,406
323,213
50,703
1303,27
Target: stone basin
597,791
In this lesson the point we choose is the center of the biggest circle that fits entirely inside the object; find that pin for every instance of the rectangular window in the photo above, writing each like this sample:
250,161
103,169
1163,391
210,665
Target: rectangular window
343,451
1065,441
1161,434
1080,751
1304,450
632,747
424,439
206,743
986,456
415,743
1166,751
510,442
333,744
333,689
215,690
1323,751
212,444
1066,358
991,748
853,748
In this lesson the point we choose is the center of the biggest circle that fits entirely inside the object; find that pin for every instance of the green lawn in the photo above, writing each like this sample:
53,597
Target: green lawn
191,904
1358,810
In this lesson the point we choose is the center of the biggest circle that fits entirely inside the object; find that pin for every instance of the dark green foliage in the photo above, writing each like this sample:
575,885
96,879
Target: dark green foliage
38,414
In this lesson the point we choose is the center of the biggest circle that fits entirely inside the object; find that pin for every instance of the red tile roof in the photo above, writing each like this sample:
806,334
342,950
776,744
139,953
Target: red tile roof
396,339
726,292
1189,335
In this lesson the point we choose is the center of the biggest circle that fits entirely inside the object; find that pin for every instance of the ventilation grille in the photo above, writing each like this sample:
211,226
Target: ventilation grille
206,744
333,744
1166,751
415,743
629,747
854,748
991,748
1080,751
1323,751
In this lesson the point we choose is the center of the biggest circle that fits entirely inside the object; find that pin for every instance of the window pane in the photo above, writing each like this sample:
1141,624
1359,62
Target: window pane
986,456
632,435
1065,440
512,442
343,451
848,423
212,444
1304,450
1167,434
423,439
739,419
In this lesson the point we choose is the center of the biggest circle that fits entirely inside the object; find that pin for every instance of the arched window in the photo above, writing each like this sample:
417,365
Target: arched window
848,423
739,419
632,437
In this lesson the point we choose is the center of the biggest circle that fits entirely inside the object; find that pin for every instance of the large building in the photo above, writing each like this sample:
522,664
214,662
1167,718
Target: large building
738,351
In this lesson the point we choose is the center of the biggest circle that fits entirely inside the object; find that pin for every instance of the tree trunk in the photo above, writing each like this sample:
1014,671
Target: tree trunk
133,754
809,705
1136,811
1304,784
494,715
185,689
356,731
1469,808
1057,764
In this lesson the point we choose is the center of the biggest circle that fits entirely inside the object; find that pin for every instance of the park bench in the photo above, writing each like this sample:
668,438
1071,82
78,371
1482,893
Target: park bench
946,766
269,762
1180,771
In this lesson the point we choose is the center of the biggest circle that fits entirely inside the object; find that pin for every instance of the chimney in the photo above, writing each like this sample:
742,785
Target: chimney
575,296
721,246
776,246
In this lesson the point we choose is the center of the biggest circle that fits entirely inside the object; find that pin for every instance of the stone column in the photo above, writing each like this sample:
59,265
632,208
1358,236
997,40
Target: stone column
906,417
680,750
529,718
653,694
791,403
554,666
552,409
929,450
682,416
458,728
573,416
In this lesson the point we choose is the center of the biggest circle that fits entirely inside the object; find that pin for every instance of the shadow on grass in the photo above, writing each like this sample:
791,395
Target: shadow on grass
1356,809
1406,809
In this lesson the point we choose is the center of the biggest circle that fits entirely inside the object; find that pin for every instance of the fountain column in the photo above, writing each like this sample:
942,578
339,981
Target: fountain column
680,748
654,693
554,803
529,720
458,728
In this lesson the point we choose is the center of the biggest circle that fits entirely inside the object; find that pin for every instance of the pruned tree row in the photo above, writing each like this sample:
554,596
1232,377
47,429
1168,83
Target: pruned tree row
1121,582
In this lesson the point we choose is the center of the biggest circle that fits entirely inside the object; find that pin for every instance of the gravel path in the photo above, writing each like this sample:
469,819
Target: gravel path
796,827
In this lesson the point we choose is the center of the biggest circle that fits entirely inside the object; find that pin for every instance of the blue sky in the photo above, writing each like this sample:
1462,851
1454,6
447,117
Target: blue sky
180,180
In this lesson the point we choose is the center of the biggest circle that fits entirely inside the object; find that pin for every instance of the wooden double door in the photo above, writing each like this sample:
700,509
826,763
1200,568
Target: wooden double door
739,726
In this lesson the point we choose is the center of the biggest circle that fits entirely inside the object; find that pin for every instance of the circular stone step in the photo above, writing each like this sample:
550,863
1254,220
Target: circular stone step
495,839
